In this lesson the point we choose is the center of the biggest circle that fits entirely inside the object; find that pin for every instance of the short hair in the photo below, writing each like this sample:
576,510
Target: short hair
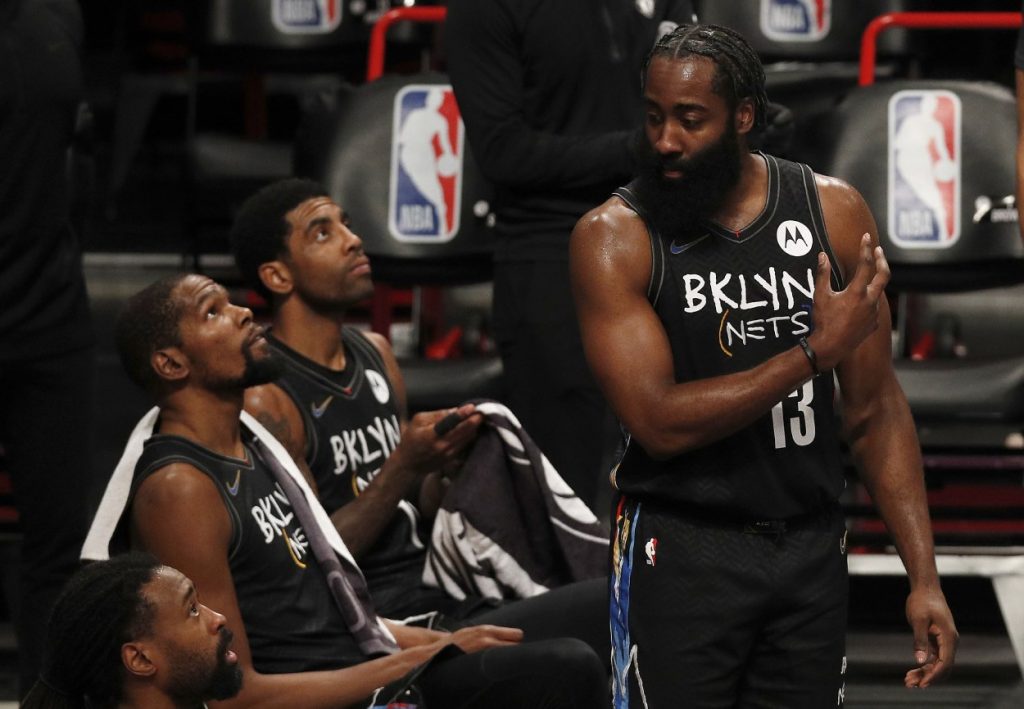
148,322
738,71
101,608
260,230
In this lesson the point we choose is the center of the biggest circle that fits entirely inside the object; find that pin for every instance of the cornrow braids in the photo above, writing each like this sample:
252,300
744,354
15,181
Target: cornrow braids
101,608
738,71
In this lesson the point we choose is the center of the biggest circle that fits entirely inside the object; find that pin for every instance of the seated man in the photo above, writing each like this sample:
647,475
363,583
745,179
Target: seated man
131,633
340,406
227,506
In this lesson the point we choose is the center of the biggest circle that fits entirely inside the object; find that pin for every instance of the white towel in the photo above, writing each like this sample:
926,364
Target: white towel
115,497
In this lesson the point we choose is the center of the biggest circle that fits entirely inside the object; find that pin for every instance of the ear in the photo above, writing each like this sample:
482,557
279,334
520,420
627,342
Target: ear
136,659
745,115
276,277
170,364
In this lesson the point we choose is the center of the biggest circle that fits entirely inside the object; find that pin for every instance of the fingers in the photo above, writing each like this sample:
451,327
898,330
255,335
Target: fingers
865,264
943,644
823,279
481,637
882,274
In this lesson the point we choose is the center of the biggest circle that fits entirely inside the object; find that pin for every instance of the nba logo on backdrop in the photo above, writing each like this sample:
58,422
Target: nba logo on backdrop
426,164
796,20
924,168
307,16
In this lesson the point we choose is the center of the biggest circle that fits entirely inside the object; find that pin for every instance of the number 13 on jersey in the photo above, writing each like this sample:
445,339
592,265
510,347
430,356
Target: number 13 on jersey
800,428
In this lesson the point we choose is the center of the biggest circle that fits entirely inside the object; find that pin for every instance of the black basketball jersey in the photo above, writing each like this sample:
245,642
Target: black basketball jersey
352,426
290,616
729,301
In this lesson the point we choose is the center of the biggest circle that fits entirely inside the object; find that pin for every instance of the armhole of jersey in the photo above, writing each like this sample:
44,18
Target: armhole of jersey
657,276
163,462
312,442
818,222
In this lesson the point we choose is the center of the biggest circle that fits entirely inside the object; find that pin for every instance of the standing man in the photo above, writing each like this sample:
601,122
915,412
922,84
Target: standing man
219,502
131,633
716,295
47,355
549,94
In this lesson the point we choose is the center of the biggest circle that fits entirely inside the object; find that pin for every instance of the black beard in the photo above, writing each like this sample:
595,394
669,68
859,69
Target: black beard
676,207
194,680
259,371
226,680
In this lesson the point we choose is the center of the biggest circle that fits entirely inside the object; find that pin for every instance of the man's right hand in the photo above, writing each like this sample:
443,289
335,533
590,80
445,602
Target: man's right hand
843,319
421,450
481,637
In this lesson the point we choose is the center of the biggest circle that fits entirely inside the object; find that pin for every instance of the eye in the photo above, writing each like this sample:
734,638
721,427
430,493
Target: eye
212,313
193,609
322,235
653,119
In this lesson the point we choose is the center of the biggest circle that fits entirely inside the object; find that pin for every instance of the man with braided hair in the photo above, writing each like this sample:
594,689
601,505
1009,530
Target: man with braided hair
130,632
743,281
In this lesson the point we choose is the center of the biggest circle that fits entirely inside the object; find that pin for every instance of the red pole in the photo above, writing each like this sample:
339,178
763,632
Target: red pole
378,36
926,20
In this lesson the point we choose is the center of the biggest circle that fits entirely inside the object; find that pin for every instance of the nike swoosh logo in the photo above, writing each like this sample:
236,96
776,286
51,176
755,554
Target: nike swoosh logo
677,249
318,411
233,488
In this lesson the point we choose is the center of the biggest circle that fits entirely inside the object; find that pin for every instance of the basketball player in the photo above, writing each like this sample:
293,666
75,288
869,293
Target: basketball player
717,294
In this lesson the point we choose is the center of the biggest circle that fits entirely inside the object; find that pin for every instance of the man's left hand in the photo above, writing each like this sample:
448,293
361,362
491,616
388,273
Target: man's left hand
935,637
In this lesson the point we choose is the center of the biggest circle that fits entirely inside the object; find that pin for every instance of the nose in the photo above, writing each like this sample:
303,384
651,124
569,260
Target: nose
353,242
216,620
667,141
242,314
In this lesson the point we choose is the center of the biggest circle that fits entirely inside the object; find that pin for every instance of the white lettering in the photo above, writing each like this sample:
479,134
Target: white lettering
915,222
416,217
787,17
340,461
695,300
770,285
718,293
744,303
789,283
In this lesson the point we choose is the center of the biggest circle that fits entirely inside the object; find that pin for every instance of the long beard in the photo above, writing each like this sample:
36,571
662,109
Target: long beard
195,678
676,207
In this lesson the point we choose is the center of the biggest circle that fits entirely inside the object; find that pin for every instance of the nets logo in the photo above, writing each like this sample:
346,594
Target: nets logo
924,168
426,165
307,16
796,20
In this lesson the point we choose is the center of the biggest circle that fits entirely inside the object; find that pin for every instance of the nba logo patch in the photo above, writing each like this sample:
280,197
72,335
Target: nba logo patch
426,164
924,169
796,20
306,16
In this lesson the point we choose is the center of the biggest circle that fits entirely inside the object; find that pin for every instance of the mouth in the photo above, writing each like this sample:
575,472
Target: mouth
230,656
361,267
259,335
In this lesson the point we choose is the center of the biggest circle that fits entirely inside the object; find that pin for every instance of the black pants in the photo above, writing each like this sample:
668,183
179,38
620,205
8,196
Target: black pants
562,662
546,674
46,428
707,615
548,384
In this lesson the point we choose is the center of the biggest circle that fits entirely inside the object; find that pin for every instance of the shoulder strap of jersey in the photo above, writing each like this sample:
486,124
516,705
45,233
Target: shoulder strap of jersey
654,284
818,223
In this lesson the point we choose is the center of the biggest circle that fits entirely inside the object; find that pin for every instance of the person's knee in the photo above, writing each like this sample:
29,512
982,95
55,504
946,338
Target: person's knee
580,671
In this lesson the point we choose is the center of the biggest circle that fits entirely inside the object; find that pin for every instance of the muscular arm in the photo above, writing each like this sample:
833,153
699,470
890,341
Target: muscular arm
610,265
408,470
179,517
883,440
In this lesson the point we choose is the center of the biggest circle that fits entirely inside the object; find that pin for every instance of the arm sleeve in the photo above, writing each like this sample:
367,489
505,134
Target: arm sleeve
488,78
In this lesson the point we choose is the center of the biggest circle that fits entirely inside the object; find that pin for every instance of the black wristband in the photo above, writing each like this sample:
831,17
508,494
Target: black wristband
811,357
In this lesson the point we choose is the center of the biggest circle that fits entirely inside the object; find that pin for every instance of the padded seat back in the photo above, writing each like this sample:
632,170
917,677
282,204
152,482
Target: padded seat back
393,153
805,30
935,162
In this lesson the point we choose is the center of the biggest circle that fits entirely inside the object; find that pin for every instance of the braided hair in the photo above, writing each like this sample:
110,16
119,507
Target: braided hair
101,608
738,71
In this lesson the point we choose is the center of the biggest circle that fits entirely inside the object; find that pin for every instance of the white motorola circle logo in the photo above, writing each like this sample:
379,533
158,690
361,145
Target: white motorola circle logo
794,238
378,385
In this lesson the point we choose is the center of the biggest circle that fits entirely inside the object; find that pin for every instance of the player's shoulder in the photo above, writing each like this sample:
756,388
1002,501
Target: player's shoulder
839,196
612,220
